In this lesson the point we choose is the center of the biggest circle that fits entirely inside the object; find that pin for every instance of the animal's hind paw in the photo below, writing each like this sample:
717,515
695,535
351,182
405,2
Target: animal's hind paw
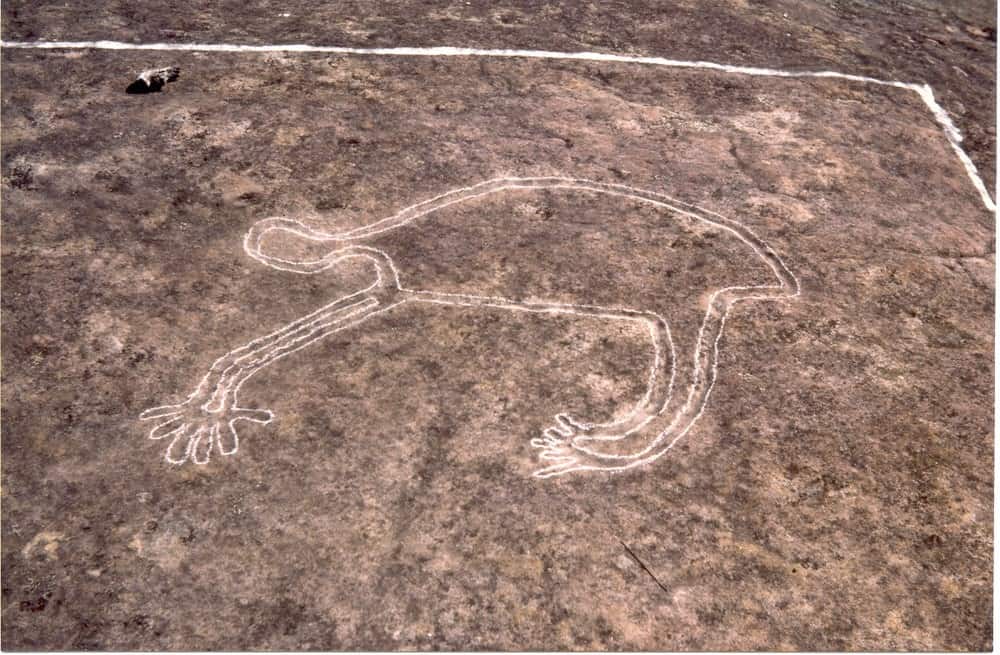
566,458
559,453
566,429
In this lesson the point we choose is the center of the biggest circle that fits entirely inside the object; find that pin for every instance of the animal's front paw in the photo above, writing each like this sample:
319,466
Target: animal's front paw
194,432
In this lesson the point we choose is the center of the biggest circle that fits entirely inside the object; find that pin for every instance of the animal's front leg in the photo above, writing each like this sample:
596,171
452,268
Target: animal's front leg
207,419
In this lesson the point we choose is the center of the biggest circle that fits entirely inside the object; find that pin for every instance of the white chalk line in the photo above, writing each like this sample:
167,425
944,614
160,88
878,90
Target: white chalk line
926,93
210,413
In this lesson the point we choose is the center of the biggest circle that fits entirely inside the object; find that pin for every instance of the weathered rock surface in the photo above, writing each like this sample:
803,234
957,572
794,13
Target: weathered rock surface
836,493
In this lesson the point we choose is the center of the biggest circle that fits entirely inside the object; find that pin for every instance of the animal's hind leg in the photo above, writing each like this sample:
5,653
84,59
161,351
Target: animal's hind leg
557,442
616,448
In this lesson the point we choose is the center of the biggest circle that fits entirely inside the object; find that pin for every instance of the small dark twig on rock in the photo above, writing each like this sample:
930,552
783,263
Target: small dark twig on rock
644,567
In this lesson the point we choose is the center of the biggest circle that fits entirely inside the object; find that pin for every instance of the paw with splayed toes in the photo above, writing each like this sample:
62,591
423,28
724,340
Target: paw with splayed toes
562,451
193,430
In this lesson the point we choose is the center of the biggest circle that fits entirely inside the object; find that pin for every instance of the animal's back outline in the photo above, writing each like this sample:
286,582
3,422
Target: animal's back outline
209,414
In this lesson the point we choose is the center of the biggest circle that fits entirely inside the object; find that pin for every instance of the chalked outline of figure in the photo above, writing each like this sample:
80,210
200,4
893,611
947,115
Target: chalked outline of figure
208,418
